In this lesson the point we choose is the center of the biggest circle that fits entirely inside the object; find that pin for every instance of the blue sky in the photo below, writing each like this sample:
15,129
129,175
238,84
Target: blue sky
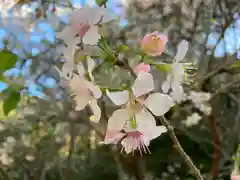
232,37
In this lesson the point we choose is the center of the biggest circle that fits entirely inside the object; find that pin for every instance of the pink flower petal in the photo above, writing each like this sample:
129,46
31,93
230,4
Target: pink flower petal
113,137
142,68
235,177
83,30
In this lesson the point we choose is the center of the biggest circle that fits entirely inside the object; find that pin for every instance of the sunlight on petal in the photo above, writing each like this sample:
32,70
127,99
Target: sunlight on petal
182,50
145,121
143,84
118,98
159,103
118,119
91,64
92,36
96,111
95,89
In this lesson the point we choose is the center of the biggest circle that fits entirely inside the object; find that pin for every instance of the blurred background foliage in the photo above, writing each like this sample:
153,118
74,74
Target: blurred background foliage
43,138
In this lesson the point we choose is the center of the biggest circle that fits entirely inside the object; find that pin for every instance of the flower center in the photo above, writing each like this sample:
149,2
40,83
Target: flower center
155,37
134,141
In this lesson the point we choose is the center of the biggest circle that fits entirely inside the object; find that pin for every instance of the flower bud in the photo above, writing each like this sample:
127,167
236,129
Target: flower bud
142,68
154,43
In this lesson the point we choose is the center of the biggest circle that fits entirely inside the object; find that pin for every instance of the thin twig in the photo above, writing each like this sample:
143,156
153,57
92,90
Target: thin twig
179,148
225,88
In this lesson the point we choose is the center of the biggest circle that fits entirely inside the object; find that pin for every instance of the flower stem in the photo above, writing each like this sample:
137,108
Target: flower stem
179,148
133,122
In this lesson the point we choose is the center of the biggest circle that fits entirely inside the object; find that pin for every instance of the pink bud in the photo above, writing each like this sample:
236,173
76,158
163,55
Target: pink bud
154,43
142,68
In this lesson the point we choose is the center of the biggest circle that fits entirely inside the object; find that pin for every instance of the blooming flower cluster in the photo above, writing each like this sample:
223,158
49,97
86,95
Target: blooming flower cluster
133,124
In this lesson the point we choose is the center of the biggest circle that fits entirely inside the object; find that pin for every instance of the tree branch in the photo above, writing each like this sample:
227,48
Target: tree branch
217,151
179,148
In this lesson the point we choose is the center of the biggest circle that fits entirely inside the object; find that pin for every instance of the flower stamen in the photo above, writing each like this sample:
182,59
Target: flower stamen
134,141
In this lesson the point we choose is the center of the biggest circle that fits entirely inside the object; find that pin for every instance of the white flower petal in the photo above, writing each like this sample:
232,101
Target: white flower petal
88,50
157,131
69,51
91,64
143,84
178,96
81,102
95,89
176,85
96,111
178,71
92,36
118,119
147,125
62,74
166,86
67,68
145,121
159,103
113,137
118,98
182,50
177,91
80,69
67,34
92,15
106,15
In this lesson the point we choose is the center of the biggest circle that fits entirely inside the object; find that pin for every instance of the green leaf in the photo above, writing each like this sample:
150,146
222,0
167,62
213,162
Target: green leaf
163,67
236,64
7,60
11,102
46,42
100,2
3,79
123,48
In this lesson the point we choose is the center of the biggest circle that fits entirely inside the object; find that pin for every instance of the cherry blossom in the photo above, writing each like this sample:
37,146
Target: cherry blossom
154,43
175,77
136,110
134,138
83,91
84,24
